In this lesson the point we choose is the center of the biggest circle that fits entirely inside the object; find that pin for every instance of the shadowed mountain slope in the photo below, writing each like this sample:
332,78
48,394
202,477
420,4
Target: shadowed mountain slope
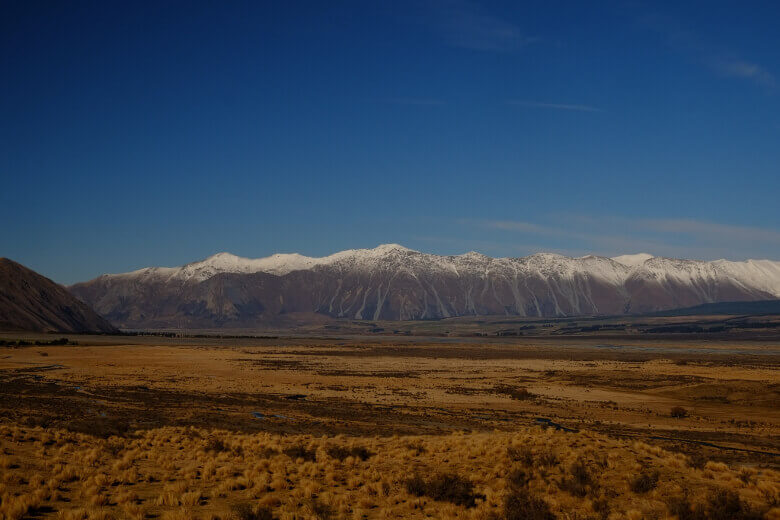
31,302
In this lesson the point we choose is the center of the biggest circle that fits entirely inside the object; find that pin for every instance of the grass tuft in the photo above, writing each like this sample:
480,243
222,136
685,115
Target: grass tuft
445,487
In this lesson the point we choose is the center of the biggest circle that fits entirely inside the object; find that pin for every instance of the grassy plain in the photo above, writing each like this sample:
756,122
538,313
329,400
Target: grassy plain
391,427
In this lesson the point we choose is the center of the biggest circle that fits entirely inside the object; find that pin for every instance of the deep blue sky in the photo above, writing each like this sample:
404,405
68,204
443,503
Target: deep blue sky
158,133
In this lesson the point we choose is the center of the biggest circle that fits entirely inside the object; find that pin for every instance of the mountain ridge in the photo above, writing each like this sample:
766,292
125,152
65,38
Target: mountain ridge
394,282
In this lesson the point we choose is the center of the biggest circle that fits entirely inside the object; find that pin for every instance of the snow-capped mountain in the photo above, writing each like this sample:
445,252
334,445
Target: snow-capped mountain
392,282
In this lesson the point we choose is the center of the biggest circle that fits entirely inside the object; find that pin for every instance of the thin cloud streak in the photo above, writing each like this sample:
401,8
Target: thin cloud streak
556,106
680,238
712,230
721,61
742,69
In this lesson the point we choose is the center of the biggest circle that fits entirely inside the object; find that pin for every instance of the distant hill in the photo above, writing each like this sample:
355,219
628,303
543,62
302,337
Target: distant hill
31,302
728,308
393,283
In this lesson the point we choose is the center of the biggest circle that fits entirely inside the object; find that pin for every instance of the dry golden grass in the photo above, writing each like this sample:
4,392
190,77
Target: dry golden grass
530,473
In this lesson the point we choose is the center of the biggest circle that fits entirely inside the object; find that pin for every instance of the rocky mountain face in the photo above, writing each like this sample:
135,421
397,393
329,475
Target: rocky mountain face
31,302
391,282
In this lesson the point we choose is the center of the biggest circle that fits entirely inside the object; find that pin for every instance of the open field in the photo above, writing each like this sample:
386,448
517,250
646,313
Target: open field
342,427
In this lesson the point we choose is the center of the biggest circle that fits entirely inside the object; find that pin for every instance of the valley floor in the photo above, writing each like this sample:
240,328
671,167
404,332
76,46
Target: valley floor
347,428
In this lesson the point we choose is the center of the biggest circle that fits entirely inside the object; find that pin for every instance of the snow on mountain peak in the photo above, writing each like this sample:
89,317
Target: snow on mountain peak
389,248
763,275
632,260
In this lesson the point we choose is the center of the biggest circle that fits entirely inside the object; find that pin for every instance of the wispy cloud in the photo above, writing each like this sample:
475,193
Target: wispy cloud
724,62
467,25
555,106
712,230
609,236
737,68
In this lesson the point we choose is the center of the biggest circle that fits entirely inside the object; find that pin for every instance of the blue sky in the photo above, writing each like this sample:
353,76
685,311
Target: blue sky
158,133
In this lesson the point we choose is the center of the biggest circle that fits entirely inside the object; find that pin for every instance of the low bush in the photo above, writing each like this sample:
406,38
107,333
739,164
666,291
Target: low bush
678,412
520,504
341,453
215,444
301,452
523,455
244,511
319,510
721,504
445,487
644,482
515,392
579,482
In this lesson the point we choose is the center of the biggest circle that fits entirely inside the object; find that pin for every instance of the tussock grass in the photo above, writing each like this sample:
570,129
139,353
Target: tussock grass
579,481
341,452
178,473
644,482
301,452
520,504
720,504
444,487
245,511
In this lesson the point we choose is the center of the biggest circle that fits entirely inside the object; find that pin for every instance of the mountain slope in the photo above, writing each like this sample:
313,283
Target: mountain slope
31,302
392,282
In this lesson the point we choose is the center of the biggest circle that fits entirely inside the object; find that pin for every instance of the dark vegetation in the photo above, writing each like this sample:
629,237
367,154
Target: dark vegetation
579,482
719,505
520,504
755,308
444,487
678,412
644,482
341,453
244,511
25,343
515,392
301,452
319,510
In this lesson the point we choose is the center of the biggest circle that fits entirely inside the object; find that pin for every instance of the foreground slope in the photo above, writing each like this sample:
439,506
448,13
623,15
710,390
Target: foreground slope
187,473
391,282
31,302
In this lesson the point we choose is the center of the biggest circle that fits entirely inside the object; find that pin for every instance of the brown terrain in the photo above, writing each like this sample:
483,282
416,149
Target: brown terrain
29,301
583,426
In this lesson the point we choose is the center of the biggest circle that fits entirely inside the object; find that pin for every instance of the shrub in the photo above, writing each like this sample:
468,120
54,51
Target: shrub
721,504
548,458
679,412
518,478
319,510
726,505
579,481
520,504
341,453
301,452
215,444
102,427
244,511
515,392
644,482
524,455
445,487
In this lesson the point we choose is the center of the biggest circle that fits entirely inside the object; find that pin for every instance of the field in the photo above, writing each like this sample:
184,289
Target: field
581,426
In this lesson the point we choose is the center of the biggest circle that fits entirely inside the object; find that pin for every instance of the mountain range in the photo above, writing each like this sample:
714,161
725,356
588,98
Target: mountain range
391,282
31,302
